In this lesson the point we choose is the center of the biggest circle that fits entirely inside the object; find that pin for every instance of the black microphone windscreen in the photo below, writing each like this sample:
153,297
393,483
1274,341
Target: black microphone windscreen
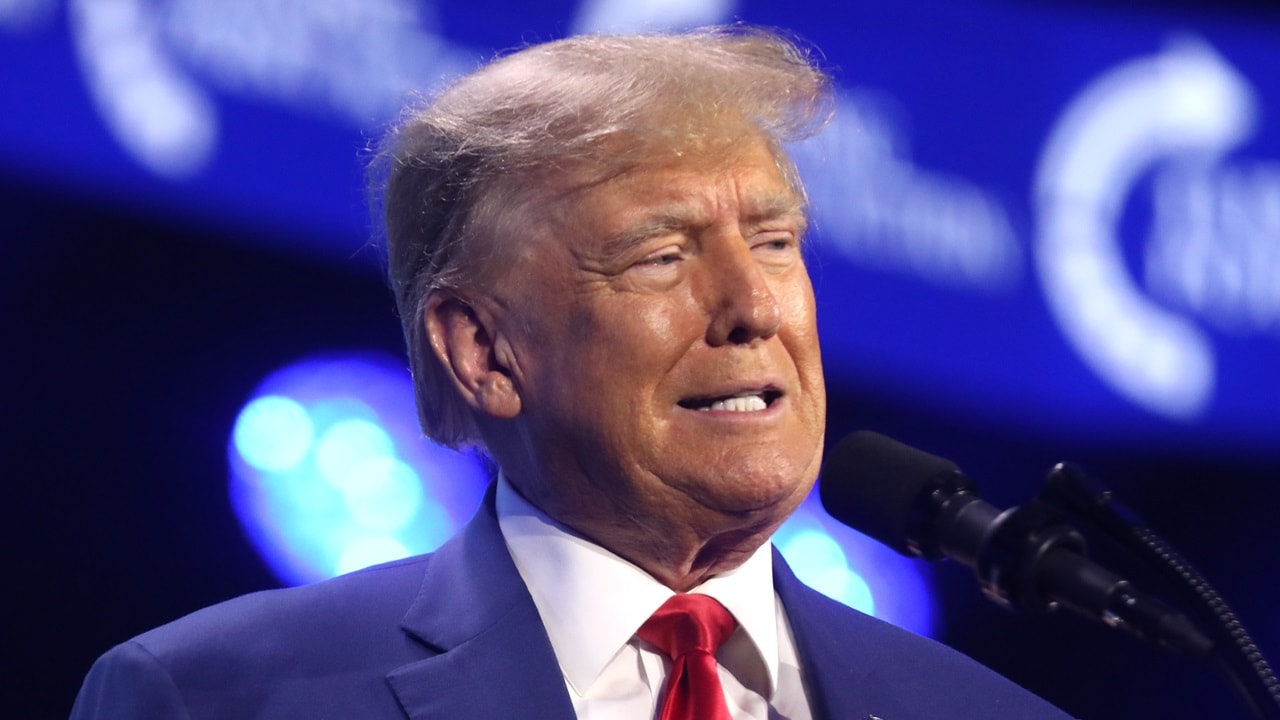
872,483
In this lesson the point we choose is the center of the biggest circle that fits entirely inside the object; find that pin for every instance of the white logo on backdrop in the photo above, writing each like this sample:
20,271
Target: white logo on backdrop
149,65
358,59
1213,239
612,16
25,14
875,206
1214,247
155,111
353,58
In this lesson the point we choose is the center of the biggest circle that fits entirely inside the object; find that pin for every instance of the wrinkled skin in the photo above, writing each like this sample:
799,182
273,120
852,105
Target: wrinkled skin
638,300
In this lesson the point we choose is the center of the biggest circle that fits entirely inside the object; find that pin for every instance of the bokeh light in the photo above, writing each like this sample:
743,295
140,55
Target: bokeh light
329,472
851,568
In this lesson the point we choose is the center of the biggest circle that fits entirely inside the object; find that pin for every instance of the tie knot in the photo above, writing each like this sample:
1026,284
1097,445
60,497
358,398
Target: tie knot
688,622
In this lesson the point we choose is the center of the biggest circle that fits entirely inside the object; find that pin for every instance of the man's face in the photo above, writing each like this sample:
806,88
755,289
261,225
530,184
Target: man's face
665,348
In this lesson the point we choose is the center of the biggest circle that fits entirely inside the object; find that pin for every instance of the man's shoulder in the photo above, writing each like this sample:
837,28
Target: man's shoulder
342,610
325,647
876,641
894,669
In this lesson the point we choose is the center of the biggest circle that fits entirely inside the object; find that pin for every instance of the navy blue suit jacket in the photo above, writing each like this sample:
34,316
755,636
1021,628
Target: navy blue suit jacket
456,635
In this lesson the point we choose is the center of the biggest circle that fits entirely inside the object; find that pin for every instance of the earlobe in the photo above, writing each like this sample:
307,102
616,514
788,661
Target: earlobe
466,343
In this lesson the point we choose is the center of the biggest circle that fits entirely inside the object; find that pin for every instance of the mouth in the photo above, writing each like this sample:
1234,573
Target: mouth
746,401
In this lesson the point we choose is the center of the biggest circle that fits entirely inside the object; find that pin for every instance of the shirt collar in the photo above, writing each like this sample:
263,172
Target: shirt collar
592,601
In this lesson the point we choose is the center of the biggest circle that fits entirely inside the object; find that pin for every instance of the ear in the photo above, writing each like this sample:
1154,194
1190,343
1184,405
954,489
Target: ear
467,346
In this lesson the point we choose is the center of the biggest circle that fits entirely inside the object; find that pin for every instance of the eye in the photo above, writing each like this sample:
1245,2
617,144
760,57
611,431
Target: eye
774,242
778,250
661,258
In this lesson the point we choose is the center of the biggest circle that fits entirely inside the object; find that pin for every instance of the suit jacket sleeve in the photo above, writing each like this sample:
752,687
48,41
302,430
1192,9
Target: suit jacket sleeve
128,683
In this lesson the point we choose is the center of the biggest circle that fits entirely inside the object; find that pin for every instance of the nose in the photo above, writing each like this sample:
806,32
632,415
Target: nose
743,306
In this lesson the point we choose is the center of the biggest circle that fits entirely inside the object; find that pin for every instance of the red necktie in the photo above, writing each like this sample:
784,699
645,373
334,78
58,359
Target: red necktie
689,629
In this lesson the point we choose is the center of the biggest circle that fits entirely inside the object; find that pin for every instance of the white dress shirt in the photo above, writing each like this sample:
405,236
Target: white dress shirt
592,602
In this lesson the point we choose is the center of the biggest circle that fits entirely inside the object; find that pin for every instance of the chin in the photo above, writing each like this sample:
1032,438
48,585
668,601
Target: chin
755,490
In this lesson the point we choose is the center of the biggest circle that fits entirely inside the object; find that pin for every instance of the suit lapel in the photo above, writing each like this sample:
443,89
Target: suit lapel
839,679
495,659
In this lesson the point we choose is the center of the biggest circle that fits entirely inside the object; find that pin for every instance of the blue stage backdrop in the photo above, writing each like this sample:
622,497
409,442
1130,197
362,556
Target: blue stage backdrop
1059,218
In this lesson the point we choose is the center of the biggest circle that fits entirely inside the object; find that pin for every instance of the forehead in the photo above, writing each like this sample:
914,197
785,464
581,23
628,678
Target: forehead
741,180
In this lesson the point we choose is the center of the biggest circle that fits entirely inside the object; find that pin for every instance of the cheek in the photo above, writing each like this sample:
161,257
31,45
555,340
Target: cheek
800,319
665,323
607,361
629,333
801,341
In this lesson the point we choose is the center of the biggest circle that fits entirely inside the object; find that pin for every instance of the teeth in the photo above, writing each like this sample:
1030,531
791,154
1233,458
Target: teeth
749,403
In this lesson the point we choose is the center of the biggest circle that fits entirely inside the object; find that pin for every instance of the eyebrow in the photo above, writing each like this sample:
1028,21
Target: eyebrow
775,207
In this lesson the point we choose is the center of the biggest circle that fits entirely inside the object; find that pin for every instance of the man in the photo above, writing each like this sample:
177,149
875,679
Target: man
595,245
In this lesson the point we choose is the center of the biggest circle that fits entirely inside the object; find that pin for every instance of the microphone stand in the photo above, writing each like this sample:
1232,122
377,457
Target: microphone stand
1234,652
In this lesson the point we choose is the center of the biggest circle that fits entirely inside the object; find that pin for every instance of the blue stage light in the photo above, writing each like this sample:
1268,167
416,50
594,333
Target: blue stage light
348,445
387,496
366,551
329,472
823,566
853,569
273,433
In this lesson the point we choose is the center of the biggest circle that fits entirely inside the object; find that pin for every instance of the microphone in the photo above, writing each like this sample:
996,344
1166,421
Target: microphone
1027,556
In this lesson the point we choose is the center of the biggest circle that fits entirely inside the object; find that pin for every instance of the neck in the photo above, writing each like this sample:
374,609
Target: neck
680,550
683,569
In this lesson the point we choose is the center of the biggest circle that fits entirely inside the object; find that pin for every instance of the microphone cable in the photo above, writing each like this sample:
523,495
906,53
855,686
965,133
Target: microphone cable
1069,489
